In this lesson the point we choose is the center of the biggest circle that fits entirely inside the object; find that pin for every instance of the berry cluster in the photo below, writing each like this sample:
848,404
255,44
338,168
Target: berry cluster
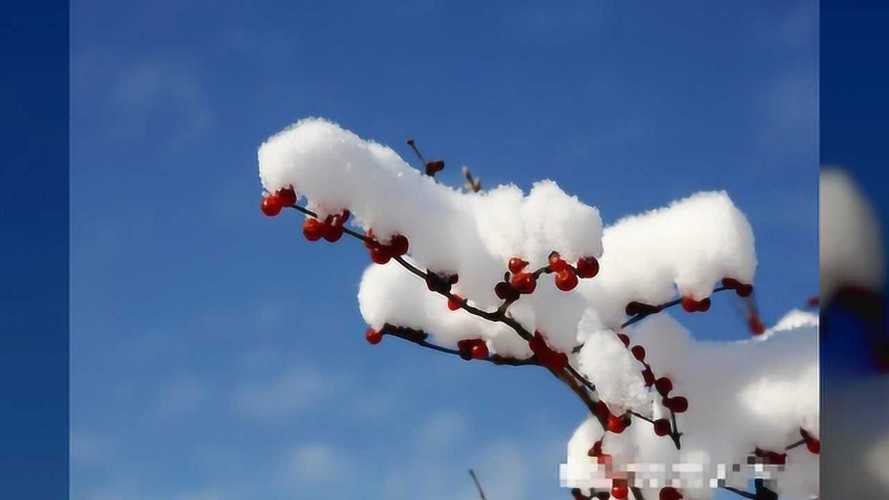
676,404
381,253
473,349
555,361
331,228
272,204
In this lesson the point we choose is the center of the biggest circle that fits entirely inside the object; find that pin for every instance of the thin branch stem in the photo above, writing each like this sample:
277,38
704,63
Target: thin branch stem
665,305
478,485
745,494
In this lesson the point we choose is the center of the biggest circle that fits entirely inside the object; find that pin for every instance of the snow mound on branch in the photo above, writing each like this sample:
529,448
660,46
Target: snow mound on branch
687,246
851,250
606,362
742,395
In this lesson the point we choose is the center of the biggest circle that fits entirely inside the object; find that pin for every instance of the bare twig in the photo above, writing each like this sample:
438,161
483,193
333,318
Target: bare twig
478,485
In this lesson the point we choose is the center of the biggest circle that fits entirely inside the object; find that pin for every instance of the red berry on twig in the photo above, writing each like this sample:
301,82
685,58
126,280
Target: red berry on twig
669,493
617,424
662,427
313,229
516,265
433,167
373,336
587,267
678,404
479,350
566,280
399,245
524,282
624,338
454,302
556,263
380,254
663,386
638,352
271,205
619,489
333,230
287,196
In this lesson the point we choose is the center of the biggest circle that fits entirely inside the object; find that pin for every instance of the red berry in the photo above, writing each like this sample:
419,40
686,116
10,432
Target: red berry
455,302
704,305
516,265
333,231
814,446
638,352
556,263
663,386
617,424
433,167
662,427
619,489
505,291
596,450
566,280
380,254
373,336
479,350
744,290
313,229
524,282
669,493
624,338
776,458
730,283
398,245
287,196
271,205
692,305
812,443
587,267
678,404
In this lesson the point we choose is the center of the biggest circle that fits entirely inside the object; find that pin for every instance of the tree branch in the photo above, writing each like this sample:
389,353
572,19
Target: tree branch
478,485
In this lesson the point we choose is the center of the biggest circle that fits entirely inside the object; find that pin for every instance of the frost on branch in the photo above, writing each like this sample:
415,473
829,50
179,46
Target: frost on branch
536,277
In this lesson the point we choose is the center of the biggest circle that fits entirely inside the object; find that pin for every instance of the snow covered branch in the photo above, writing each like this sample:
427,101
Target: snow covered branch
536,279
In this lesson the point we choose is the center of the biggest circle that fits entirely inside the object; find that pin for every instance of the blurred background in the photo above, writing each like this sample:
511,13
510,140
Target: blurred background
216,355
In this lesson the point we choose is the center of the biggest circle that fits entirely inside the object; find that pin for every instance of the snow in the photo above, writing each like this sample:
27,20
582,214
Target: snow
742,394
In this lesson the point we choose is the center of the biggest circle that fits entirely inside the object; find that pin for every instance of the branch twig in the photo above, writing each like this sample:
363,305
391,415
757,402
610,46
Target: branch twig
478,485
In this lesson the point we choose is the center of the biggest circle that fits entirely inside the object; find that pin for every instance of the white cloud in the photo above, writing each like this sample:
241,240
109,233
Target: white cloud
287,394
317,462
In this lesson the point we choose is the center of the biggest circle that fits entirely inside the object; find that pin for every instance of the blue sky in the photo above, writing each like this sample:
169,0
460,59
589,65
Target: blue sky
215,355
